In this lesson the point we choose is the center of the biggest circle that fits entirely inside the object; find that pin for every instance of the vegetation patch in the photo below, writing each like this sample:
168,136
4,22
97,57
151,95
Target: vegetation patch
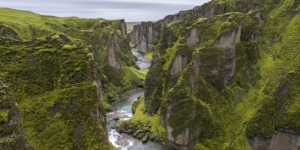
142,126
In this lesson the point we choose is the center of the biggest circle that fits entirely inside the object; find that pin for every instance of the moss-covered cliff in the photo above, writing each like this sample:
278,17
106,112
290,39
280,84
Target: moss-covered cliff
57,76
146,35
226,75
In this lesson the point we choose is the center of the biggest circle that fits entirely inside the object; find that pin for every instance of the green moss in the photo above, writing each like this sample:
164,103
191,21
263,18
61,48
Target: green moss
49,119
106,105
132,46
52,66
149,55
141,117
200,147
268,118
136,104
183,107
135,75
199,21
169,55
266,60
69,47
4,116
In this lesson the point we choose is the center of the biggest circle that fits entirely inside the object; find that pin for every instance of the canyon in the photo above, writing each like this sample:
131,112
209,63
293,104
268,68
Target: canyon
224,75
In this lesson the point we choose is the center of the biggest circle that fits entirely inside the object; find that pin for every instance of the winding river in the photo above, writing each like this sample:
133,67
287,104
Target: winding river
122,110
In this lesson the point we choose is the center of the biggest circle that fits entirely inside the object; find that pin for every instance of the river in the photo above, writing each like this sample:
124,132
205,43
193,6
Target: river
122,109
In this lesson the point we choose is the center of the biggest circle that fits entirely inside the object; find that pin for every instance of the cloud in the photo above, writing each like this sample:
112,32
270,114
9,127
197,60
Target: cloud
131,10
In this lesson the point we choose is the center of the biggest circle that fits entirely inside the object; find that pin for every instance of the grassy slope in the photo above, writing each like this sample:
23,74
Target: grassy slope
29,25
48,63
24,21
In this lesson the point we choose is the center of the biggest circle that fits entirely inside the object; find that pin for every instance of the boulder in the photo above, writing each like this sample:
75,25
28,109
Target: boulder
140,135
116,118
152,136
119,128
146,137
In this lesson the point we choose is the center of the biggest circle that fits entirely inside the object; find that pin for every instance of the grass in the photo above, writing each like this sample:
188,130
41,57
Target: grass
140,116
149,55
4,115
133,73
170,54
25,22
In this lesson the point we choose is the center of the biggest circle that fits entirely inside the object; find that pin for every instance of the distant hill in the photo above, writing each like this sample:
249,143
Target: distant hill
130,26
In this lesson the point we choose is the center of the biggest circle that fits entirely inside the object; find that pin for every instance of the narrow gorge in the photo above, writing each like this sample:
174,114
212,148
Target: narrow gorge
224,75
123,111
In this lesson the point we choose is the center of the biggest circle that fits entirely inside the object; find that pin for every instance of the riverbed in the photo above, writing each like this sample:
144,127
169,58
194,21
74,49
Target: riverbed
122,110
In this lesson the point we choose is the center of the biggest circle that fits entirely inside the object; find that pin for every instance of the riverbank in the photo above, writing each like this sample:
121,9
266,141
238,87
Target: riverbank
122,111
142,126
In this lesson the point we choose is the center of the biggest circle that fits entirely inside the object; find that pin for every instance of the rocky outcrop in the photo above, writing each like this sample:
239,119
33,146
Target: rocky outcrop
11,133
260,143
112,59
148,33
138,130
178,64
227,44
123,28
280,140
193,38
220,76
7,32
285,140
143,36
230,39
55,78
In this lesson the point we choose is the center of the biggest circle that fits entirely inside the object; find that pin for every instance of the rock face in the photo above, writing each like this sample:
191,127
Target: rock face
123,28
280,140
143,35
227,44
224,75
284,140
193,38
147,34
55,76
12,136
178,64
112,59
8,32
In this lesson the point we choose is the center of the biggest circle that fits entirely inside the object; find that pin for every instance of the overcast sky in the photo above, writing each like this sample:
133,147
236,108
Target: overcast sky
130,10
